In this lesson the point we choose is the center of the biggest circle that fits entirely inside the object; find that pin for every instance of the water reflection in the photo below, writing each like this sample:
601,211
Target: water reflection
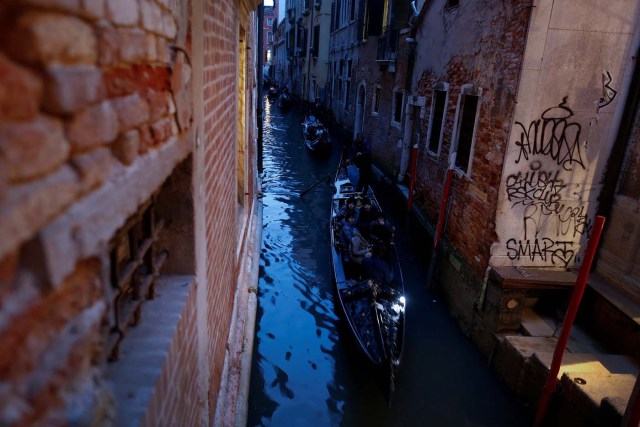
296,325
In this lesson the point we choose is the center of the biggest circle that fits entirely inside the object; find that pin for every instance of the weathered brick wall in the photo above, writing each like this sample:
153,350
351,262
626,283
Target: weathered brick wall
382,135
494,66
96,111
86,91
220,70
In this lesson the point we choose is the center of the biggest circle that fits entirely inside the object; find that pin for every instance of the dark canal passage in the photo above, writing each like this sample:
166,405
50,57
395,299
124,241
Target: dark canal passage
306,370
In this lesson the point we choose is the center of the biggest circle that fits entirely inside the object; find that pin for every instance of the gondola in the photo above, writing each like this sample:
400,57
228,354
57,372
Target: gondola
285,101
273,92
316,136
374,311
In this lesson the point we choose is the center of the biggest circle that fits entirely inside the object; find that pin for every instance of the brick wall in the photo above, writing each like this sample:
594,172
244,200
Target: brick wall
96,112
494,66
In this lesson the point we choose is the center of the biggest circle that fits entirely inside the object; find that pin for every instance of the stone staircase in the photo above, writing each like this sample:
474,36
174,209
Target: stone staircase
594,385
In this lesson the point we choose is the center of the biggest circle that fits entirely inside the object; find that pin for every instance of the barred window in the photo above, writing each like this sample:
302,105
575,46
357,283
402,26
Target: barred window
135,267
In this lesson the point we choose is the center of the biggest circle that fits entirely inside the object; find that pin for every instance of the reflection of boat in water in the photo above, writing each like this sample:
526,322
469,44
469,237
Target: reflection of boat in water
316,136
373,309
285,100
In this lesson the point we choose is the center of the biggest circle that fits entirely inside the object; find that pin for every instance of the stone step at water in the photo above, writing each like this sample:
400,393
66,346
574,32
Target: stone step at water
540,364
593,398
538,325
511,358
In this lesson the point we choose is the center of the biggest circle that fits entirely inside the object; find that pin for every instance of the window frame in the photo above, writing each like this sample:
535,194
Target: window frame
441,87
394,107
466,90
375,105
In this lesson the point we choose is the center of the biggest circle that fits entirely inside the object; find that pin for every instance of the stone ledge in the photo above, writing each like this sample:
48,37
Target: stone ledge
146,347
532,278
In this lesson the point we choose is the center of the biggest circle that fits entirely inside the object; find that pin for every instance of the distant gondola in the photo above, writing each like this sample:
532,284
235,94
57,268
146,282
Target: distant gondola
316,136
374,311
285,101
273,92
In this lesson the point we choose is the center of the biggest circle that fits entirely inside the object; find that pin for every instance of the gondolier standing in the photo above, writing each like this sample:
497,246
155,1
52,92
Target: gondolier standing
362,159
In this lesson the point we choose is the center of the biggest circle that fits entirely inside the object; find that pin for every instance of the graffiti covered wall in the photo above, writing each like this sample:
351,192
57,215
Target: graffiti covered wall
575,69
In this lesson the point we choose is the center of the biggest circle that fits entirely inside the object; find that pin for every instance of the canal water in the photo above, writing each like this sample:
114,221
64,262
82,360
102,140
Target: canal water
306,370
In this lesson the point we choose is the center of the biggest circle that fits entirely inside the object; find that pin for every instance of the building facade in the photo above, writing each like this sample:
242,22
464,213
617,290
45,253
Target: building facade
305,31
128,210
539,139
269,28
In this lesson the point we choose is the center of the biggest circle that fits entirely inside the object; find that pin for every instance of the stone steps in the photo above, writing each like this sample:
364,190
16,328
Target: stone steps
596,385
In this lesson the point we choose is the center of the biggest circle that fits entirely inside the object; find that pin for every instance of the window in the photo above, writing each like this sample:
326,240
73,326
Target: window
452,3
316,41
347,101
467,115
353,10
398,98
269,37
269,21
438,112
376,100
241,159
365,22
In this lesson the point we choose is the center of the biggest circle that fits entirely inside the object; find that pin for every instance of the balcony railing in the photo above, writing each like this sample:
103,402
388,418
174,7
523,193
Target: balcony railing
387,45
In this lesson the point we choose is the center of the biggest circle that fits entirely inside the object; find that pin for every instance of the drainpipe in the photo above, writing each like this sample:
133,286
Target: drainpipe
412,179
410,115
310,33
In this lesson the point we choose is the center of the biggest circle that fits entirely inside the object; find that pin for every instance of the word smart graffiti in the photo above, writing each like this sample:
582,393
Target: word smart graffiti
553,136
545,250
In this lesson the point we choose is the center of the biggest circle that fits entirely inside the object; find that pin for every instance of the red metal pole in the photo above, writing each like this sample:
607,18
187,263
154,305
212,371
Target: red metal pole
569,318
443,208
414,162
440,225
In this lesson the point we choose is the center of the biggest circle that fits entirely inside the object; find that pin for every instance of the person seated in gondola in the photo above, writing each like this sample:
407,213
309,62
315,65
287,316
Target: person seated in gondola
376,267
311,133
368,213
359,249
350,208
381,231
347,229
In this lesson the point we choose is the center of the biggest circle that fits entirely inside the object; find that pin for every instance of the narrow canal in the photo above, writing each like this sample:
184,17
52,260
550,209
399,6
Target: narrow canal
306,370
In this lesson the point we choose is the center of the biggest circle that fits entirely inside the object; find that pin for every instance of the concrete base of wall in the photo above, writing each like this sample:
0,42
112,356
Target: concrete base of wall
231,408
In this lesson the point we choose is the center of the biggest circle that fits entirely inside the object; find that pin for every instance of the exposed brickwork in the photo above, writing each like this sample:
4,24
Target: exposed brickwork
471,222
92,94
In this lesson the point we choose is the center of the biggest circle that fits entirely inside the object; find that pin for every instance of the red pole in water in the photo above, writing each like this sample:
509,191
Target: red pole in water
576,297
443,209
440,225
414,162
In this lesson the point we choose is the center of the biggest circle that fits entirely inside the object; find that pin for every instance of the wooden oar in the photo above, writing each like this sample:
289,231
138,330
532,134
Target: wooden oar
323,178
